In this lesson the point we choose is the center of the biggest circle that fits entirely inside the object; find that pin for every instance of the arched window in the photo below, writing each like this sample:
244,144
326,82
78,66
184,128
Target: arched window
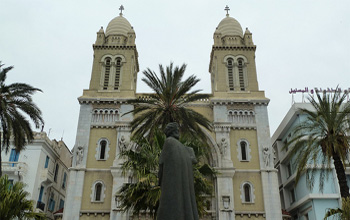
98,191
107,72
247,196
247,192
241,74
243,149
230,74
103,145
117,73
102,149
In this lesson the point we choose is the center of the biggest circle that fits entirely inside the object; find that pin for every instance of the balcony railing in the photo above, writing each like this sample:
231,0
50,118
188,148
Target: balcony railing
40,205
47,176
12,167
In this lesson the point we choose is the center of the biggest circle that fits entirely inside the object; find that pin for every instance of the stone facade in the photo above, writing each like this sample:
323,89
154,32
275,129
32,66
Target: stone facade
246,184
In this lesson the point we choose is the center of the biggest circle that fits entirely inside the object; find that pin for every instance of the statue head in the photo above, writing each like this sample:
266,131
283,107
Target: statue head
172,130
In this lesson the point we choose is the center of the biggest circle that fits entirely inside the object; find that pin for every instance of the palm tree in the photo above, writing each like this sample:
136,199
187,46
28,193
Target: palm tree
169,103
13,201
142,161
16,99
323,137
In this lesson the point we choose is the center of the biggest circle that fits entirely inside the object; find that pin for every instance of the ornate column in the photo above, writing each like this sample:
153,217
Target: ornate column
269,179
77,171
224,179
123,143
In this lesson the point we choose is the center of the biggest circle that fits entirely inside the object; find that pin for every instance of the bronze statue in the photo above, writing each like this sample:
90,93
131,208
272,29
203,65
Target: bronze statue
177,200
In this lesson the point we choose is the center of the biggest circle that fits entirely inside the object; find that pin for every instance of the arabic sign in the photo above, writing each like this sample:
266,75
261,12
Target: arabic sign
318,90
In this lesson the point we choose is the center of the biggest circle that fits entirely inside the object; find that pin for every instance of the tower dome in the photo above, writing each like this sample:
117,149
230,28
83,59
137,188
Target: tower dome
229,27
119,26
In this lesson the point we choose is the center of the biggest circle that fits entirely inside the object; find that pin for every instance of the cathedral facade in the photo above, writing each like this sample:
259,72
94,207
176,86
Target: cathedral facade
245,186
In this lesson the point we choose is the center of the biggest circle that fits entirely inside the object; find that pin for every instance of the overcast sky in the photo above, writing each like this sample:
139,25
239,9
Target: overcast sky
300,43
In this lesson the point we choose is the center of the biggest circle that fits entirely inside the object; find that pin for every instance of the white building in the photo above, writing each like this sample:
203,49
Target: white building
300,201
43,166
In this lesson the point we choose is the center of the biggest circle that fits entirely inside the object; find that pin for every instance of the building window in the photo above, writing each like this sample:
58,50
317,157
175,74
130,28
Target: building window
64,180
292,196
47,162
117,73
61,204
289,170
243,150
247,192
98,191
107,73
230,74
247,196
56,172
14,157
11,183
41,193
52,203
103,145
102,149
241,74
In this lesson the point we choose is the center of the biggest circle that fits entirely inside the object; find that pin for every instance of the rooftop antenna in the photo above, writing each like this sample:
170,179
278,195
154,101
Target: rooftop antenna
227,9
121,8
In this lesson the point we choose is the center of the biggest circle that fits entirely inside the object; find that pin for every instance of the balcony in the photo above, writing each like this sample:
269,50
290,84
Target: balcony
47,176
14,168
40,205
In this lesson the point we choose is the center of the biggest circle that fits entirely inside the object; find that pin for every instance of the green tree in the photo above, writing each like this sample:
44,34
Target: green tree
323,137
13,202
142,161
169,103
16,103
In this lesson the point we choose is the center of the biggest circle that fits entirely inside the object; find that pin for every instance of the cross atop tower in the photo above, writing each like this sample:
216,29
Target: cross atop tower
227,9
121,8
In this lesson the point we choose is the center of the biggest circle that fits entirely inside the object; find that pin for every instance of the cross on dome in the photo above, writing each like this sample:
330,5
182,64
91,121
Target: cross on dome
121,8
227,9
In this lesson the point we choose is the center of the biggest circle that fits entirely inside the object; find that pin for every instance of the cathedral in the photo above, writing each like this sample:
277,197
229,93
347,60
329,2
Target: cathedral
245,186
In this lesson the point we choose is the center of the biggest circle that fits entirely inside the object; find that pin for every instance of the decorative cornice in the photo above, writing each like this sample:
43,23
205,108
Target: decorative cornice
240,101
114,47
226,126
94,212
250,213
234,47
84,100
123,126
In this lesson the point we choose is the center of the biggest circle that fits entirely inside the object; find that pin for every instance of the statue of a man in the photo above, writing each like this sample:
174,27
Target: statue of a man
177,199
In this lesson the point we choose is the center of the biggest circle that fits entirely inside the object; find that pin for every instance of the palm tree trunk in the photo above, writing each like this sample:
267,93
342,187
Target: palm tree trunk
339,168
0,157
0,154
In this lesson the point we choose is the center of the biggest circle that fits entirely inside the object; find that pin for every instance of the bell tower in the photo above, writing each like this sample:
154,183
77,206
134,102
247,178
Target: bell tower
115,65
232,60
247,183
95,175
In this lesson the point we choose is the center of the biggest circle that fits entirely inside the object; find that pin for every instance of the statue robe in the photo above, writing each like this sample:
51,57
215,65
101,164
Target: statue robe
177,200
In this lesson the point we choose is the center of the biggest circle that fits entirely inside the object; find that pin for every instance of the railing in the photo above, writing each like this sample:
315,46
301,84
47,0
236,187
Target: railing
11,166
47,176
40,205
